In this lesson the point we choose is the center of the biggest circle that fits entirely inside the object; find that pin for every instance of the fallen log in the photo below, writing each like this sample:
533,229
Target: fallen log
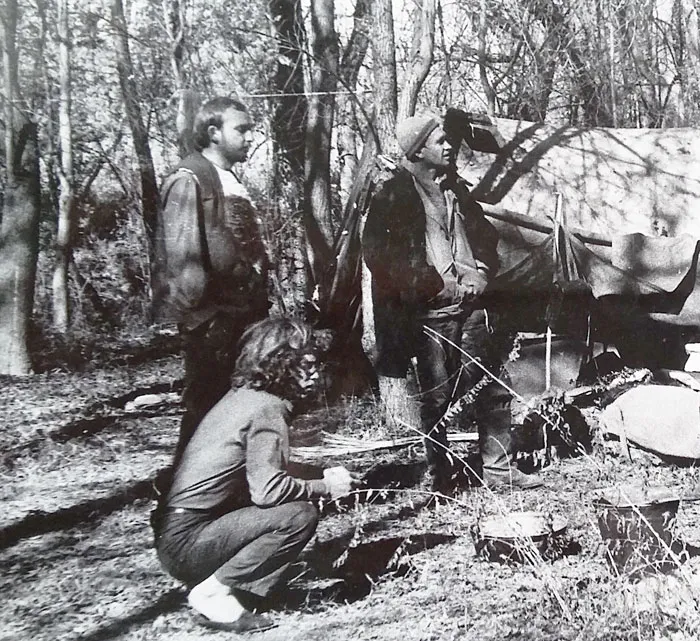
334,445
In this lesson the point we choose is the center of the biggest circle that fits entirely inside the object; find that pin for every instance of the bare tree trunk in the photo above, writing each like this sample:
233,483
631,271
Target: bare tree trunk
486,85
347,150
681,50
319,125
132,105
398,405
385,92
381,137
613,89
187,100
290,111
19,228
288,130
421,59
369,339
350,66
61,298
51,156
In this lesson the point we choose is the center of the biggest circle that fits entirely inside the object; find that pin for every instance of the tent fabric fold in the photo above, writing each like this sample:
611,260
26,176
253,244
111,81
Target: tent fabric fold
646,266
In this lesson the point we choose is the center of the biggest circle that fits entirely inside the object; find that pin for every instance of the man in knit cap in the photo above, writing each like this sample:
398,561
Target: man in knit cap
431,253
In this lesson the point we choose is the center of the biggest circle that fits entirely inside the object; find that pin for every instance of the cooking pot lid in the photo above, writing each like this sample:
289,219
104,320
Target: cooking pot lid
629,495
519,525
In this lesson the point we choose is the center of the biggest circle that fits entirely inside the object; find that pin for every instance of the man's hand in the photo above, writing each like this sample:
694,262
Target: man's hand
340,481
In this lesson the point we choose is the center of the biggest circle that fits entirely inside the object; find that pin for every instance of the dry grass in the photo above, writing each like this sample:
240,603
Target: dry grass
98,578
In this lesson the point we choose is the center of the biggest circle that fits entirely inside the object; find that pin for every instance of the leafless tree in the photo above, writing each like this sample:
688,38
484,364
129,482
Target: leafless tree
19,227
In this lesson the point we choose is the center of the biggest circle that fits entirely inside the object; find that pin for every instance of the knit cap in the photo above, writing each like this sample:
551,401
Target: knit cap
414,131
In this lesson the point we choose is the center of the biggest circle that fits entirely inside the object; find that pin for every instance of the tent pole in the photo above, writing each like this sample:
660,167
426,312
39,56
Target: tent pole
555,250
529,222
548,360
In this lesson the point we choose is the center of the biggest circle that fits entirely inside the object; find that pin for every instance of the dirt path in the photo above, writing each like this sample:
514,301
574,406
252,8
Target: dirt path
77,563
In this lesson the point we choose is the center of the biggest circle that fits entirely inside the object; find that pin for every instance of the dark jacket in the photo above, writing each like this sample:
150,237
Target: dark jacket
209,255
403,283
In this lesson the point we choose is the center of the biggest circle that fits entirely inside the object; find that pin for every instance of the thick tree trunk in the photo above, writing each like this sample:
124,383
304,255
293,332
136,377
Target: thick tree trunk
60,291
290,111
19,249
385,92
319,126
350,66
288,131
398,405
421,59
132,105
381,137
188,102
19,228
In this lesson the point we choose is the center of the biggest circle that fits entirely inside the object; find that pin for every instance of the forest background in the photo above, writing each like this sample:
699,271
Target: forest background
97,96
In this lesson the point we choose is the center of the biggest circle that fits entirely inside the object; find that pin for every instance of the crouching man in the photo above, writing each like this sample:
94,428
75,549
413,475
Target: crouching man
234,519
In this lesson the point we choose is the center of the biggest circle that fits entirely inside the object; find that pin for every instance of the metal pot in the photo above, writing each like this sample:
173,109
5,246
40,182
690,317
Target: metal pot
522,537
637,524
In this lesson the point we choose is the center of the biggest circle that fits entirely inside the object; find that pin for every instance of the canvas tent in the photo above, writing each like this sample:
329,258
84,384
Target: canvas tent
590,275
610,180
641,293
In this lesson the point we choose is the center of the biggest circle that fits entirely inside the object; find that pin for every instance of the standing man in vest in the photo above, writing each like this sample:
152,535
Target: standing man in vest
210,272
431,253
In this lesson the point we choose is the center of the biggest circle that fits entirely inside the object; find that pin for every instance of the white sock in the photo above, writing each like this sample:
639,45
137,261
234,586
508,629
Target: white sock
214,600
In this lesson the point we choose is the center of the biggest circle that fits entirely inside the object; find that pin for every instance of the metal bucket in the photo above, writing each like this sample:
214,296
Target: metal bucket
521,537
637,525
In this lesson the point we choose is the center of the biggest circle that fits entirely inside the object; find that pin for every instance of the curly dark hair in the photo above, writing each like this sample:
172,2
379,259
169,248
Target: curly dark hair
271,356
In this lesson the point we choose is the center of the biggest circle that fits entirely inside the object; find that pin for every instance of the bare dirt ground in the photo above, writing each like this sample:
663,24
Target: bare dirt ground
77,562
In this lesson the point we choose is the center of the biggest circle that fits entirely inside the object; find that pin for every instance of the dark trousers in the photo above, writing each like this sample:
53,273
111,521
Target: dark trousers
445,374
210,356
438,372
248,549
210,352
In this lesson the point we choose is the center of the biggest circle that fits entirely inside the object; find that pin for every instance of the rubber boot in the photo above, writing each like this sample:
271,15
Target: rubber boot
496,449
437,456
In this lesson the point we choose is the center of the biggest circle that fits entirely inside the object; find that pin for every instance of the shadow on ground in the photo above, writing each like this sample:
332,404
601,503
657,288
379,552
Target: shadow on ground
324,578
349,577
168,602
40,522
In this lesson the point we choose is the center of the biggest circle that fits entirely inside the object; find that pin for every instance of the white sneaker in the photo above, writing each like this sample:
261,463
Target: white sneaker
214,601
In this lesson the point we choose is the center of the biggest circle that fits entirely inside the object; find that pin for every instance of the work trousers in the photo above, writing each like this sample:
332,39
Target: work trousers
445,373
248,549
210,351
